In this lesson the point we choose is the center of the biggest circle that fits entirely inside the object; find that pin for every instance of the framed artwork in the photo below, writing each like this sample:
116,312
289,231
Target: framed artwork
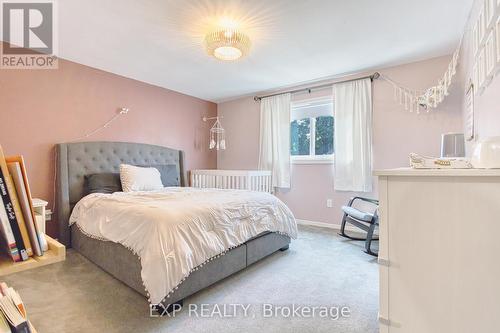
469,113
489,9
475,40
490,54
497,32
475,76
481,26
481,69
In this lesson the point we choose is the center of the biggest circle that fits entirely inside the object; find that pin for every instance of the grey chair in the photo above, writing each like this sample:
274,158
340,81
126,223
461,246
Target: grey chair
367,222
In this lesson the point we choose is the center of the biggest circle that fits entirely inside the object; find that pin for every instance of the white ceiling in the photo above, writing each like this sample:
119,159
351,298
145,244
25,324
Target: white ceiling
161,41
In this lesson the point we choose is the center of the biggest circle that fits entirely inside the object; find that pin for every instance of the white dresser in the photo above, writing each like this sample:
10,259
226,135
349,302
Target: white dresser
439,253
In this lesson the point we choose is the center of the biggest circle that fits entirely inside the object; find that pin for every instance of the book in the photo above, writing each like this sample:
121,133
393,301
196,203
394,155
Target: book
16,299
17,323
24,242
40,221
39,226
11,188
13,316
11,215
25,202
4,325
6,233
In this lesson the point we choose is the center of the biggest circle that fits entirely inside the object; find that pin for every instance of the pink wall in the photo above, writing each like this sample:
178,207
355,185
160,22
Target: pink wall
487,104
396,134
39,108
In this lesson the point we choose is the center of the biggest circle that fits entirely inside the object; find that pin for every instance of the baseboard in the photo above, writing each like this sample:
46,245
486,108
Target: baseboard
326,225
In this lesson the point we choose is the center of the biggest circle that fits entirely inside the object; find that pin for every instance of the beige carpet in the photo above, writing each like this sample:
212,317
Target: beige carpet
320,269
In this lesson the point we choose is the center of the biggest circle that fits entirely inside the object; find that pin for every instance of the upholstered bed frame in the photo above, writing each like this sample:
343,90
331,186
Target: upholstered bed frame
76,160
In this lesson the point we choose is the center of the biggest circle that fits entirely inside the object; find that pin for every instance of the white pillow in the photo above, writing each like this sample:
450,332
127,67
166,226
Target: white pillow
135,178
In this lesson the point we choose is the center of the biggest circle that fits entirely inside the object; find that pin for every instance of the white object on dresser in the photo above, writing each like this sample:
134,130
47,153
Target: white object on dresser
253,180
487,153
39,206
438,250
425,162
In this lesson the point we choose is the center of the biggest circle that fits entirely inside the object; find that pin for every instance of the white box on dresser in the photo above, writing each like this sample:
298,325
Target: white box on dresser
439,250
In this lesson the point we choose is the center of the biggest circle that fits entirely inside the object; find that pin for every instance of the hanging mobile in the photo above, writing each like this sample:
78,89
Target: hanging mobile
217,134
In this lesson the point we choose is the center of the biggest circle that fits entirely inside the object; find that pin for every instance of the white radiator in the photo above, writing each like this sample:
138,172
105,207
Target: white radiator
253,180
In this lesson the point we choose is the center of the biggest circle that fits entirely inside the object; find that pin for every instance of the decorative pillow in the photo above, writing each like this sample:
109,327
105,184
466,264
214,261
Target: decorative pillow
169,173
135,178
102,183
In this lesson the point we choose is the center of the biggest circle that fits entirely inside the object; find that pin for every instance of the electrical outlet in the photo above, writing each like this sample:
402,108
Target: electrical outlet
48,215
329,203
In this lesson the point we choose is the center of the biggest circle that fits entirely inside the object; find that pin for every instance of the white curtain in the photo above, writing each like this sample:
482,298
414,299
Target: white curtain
274,152
353,135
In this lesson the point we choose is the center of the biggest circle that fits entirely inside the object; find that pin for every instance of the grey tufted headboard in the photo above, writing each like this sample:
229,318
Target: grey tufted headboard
76,160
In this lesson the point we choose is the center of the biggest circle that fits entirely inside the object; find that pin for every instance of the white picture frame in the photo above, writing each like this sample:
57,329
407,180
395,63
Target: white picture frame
481,26
469,112
489,10
490,55
481,69
475,40
497,33
475,77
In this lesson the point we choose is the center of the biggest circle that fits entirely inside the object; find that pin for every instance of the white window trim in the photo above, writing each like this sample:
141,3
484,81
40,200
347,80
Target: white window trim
312,159
316,159
312,101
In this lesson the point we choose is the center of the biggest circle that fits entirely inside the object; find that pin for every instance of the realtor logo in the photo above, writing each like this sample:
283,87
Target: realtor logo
28,35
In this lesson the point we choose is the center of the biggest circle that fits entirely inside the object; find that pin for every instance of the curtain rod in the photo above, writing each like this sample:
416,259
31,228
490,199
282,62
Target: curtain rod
372,77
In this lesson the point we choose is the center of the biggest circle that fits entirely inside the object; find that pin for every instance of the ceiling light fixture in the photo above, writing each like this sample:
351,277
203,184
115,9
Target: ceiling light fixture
227,44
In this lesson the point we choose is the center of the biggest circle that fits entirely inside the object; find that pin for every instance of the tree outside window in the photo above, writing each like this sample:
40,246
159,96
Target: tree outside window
312,131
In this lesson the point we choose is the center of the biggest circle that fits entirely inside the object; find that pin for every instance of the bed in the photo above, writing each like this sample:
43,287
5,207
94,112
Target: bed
76,160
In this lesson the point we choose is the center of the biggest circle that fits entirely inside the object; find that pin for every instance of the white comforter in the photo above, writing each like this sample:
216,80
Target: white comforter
176,229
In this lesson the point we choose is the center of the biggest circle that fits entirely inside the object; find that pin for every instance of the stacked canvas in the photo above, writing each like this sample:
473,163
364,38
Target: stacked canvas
20,235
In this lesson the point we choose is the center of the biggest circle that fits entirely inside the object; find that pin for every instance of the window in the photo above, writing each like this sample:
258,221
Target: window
311,131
